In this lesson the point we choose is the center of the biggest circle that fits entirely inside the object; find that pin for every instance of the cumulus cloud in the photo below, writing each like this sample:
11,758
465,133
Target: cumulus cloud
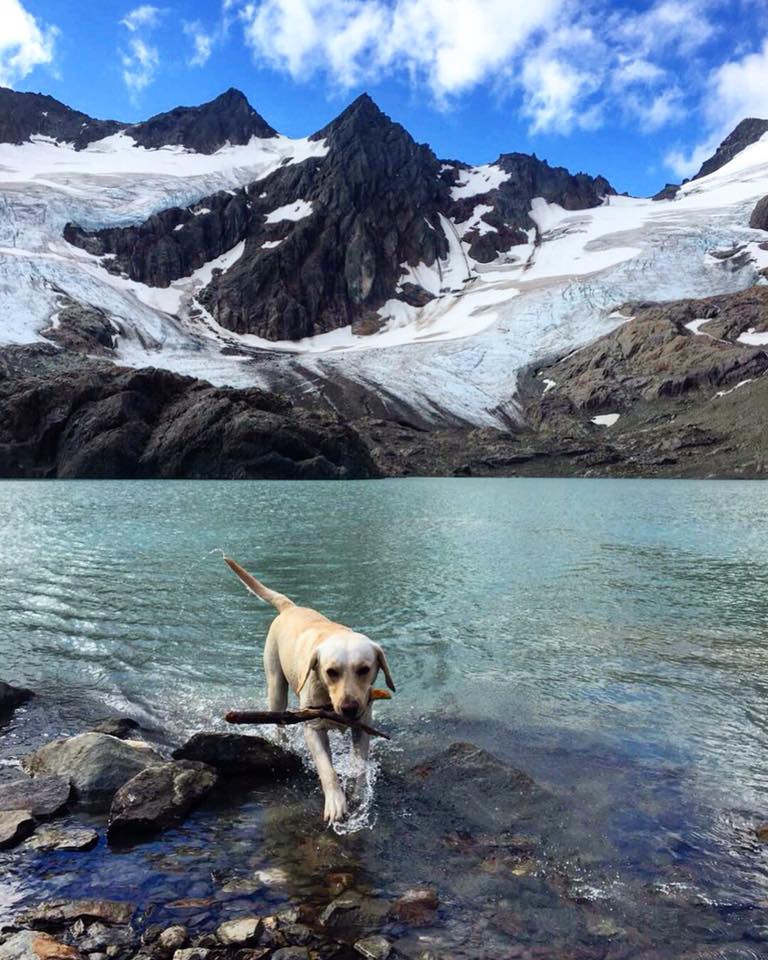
25,43
202,43
567,61
140,57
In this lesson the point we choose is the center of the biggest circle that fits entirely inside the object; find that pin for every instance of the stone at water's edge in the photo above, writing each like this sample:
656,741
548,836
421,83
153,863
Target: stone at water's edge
33,945
239,932
59,913
48,839
15,826
158,797
374,948
43,796
120,727
96,764
12,697
235,754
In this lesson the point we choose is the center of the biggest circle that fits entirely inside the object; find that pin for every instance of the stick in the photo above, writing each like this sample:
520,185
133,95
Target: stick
285,717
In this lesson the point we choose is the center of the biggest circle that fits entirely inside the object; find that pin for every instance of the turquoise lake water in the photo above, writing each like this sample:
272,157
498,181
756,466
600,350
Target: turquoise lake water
608,637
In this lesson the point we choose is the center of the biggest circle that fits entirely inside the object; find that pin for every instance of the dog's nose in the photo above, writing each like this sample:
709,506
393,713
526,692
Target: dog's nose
349,709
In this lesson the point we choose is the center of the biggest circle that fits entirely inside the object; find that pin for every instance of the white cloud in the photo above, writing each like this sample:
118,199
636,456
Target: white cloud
202,43
145,17
735,90
25,43
140,58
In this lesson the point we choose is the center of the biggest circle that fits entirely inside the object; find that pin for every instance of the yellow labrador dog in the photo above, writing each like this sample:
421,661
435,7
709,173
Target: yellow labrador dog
323,662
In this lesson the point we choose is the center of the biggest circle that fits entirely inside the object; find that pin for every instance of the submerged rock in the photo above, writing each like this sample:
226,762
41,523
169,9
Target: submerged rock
236,754
47,839
43,797
33,945
96,764
158,797
120,727
374,948
57,913
12,697
15,826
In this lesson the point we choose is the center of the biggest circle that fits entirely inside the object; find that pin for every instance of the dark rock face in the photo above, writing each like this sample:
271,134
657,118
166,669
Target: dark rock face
157,798
99,421
237,754
12,697
668,192
205,129
124,728
82,328
759,218
747,132
22,115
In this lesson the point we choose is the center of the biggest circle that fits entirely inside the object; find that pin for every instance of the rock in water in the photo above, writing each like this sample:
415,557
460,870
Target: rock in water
12,697
237,754
15,825
240,932
33,945
120,727
56,838
96,764
759,218
60,913
43,796
158,797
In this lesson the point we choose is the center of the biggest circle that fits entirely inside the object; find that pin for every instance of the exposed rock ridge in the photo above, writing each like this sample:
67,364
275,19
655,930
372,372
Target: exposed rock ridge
747,132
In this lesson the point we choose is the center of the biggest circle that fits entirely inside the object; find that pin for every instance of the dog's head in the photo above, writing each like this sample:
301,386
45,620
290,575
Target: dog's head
347,665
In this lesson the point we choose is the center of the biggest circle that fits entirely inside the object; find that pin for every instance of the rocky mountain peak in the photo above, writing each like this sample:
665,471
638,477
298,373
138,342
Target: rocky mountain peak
229,118
26,115
745,133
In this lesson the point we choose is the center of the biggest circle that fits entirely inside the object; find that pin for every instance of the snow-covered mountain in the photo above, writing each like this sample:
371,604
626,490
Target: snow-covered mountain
352,265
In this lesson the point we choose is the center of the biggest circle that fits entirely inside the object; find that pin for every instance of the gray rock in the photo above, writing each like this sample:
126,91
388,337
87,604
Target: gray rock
291,953
240,932
353,915
34,945
47,839
158,797
120,727
192,953
374,948
15,826
97,765
43,797
759,218
239,754
12,697
173,938
107,939
57,913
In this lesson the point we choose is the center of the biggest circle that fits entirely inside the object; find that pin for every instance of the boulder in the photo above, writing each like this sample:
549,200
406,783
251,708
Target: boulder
15,826
120,727
173,938
759,218
291,953
240,932
47,839
374,948
158,797
12,697
33,945
96,764
43,796
235,754
59,913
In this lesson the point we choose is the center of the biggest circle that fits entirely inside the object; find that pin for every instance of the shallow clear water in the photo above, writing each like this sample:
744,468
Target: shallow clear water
608,637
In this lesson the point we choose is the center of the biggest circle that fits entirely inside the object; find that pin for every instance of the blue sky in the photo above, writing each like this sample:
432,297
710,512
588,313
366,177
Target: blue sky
638,91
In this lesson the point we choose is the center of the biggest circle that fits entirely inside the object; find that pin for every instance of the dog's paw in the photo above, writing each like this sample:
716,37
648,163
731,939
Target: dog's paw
335,805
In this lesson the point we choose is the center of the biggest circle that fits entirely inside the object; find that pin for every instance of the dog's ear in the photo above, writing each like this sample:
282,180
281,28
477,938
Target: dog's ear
382,662
311,664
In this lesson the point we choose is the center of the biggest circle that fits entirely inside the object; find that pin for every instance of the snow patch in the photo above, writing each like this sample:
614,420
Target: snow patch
606,419
548,385
753,339
478,180
727,393
297,210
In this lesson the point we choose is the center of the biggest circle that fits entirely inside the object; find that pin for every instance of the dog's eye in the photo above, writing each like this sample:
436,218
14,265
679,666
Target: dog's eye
363,671
332,673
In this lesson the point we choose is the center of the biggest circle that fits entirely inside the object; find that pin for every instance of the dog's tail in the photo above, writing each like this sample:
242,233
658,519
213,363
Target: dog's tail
278,601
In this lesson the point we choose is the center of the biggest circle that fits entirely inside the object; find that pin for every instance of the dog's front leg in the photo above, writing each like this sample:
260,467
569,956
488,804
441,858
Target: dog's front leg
320,748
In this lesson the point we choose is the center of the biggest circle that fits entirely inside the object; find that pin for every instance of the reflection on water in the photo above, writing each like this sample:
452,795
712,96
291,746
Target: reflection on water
609,638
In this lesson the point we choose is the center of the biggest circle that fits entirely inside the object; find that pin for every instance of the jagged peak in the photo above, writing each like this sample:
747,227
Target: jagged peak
362,115
745,133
